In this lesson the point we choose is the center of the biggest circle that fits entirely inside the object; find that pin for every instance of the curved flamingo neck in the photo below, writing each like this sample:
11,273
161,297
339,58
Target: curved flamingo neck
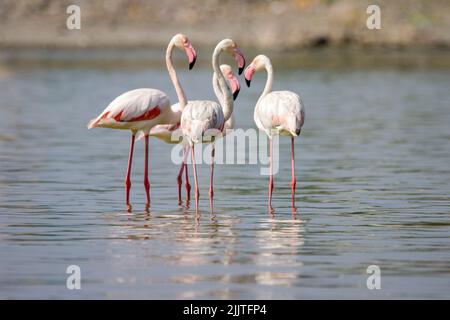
225,99
216,88
173,76
269,81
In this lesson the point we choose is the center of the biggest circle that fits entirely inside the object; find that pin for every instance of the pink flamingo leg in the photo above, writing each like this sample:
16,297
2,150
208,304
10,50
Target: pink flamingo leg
187,185
293,181
127,178
179,177
197,192
183,167
211,188
146,182
270,176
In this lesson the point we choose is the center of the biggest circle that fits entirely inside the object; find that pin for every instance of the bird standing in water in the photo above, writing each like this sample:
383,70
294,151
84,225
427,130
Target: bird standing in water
276,113
201,118
143,109
167,132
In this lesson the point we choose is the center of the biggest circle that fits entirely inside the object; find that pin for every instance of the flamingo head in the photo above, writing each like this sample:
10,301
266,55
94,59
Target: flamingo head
232,80
259,63
231,47
182,42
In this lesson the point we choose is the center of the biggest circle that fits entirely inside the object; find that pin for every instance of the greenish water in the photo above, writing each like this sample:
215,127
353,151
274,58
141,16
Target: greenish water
373,187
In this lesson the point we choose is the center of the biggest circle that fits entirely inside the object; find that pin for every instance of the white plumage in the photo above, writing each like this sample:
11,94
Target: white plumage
142,109
135,110
200,117
280,112
276,113
168,132
201,120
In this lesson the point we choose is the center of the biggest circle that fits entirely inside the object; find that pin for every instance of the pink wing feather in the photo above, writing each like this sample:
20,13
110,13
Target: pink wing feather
131,106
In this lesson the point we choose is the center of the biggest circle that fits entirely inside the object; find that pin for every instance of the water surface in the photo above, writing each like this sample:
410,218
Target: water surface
373,189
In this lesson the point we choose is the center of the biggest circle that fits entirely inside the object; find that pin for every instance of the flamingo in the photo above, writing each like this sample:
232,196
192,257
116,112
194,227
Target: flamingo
165,132
276,113
142,109
201,116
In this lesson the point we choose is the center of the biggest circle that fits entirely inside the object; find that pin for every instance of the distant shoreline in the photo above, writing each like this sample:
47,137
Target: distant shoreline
326,58
266,25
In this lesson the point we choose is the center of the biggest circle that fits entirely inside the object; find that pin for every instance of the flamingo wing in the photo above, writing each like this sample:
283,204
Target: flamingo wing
131,106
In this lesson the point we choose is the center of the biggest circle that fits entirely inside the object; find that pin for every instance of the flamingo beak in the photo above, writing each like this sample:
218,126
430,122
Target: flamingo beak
240,59
235,86
235,94
248,74
192,63
192,55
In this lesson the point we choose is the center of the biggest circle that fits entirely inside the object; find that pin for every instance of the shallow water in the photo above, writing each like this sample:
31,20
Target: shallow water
373,189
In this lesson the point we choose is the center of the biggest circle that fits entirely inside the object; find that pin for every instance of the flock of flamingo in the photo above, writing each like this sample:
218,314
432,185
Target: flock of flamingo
150,113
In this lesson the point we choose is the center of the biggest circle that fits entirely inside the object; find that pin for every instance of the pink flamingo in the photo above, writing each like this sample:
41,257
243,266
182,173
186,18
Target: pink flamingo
199,117
142,109
165,132
276,113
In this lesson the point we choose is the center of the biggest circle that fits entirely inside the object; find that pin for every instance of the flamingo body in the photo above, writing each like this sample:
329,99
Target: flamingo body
280,112
135,110
200,116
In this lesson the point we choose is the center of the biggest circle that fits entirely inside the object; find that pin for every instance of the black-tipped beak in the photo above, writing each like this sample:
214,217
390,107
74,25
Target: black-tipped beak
248,82
240,60
235,94
191,65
